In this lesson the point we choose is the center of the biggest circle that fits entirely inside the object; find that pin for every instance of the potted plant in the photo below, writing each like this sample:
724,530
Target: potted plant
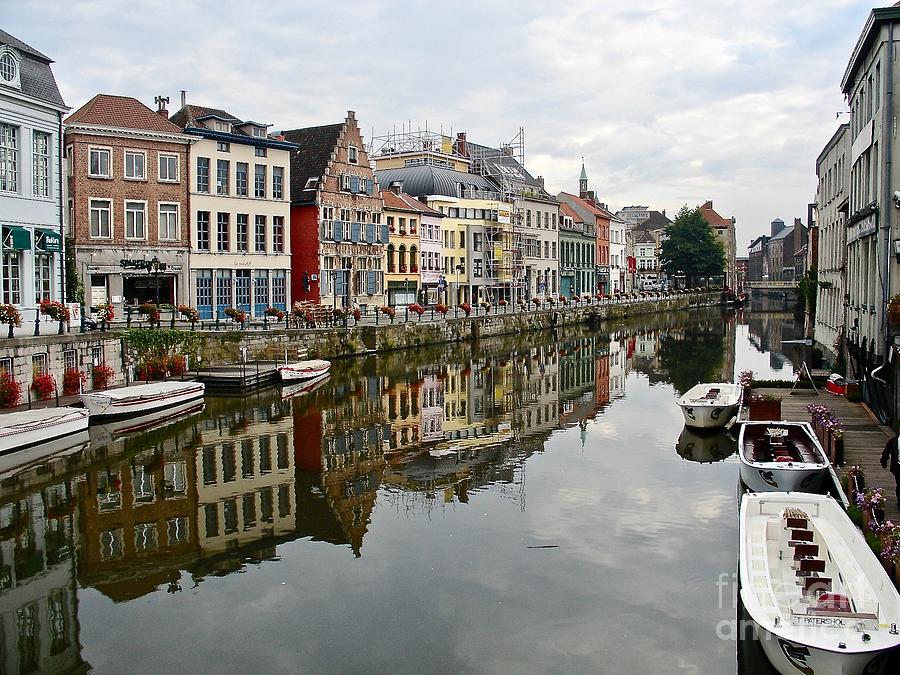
10,390
275,313
151,311
441,309
466,307
73,381
101,375
106,313
56,310
764,407
44,386
357,315
189,314
893,310
745,379
10,316
389,312
237,315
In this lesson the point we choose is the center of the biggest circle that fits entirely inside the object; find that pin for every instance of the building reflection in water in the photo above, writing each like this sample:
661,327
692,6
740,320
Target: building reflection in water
217,490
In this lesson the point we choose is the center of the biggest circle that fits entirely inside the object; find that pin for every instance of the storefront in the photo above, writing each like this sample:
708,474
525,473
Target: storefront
30,265
402,293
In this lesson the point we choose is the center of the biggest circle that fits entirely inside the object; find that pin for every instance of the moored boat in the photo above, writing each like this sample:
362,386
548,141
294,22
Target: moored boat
141,398
303,370
819,596
781,456
26,428
710,404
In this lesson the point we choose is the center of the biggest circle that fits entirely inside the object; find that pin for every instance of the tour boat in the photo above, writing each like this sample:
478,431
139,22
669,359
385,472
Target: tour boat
809,581
710,405
781,456
26,428
141,398
303,370
303,387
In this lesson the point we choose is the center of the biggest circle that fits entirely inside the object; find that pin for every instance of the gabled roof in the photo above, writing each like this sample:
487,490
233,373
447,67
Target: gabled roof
569,211
121,112
644,237
656,221
405,202
316,144
712,217
35,75
878,16
191,115
784,233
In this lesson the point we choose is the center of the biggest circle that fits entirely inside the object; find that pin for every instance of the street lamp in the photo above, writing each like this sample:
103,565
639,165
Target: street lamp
459,268
155,267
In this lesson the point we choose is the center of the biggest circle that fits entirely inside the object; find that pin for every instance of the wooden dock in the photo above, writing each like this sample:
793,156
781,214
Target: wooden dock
239,378
864,437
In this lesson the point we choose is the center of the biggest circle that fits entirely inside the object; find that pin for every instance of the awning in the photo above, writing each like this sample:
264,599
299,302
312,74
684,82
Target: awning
19,238
52,242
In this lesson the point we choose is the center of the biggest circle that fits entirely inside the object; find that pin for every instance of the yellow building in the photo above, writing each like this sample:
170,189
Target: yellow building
402,275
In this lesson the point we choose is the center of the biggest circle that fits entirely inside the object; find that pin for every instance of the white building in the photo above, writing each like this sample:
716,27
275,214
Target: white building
646,259
31,110
633,215
240,213
832,202
618,265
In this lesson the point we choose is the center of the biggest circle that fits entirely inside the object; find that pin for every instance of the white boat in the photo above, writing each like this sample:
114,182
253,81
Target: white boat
112,428
141,398
710,404
782,456
303,370
820,598
27,428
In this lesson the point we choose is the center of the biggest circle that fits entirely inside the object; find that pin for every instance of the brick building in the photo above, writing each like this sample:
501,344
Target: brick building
337,233
126,169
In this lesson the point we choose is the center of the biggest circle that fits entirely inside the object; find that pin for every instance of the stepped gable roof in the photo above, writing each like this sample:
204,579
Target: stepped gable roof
121,112
316,145
711,216
569,211
425,180
35,75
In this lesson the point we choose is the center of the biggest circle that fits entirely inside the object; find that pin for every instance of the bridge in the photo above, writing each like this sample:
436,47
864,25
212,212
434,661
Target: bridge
771,285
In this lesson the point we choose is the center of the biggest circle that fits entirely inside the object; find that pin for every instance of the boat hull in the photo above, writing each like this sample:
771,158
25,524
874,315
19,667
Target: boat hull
768,479
303,370
107,405
707,417
60,423
790,658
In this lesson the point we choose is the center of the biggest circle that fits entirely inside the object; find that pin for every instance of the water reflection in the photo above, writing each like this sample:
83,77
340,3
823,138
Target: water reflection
704,447
166,506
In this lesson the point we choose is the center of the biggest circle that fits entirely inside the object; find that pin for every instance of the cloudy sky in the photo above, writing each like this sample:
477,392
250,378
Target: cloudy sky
669,102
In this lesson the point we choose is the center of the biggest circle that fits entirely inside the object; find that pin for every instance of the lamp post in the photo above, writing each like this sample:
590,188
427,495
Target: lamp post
155,267
459,268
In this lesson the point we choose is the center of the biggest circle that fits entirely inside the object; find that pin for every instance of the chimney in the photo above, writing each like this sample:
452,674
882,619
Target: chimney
183,97
462,148
664,213
540,180
707,205
603,206
161,102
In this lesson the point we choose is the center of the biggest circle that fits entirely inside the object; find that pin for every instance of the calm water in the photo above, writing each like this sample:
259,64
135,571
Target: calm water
519,506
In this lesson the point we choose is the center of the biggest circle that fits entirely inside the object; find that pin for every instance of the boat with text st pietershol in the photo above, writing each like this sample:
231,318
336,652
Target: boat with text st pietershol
781,456
141,398
25,429
819,596
710,405
303,370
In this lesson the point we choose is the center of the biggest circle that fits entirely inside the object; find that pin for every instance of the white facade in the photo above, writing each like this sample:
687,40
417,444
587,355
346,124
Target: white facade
647,262
537,230
240,220
833,171
634,215
618,265
432,264
30,181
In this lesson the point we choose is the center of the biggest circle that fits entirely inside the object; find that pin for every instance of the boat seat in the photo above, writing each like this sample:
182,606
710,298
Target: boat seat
801,535
816,584
783,459
833,602
797,523
809,565
805,550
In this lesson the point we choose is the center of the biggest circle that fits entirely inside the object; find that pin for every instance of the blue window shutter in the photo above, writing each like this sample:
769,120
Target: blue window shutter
372,187
384,234
354,232
370,283
354,184
370,233
321,231
339,283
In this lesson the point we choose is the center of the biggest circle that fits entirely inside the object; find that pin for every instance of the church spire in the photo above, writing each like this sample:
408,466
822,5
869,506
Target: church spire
583,181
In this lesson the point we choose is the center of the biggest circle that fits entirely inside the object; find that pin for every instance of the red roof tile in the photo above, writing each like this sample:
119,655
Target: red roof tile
710,216
405,202
121,112
565,208
596,210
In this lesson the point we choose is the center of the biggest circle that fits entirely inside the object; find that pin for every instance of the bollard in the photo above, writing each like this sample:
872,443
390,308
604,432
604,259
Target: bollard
37,323
128,317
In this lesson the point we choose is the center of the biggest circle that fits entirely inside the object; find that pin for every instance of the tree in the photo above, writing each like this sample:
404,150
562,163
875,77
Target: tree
690,248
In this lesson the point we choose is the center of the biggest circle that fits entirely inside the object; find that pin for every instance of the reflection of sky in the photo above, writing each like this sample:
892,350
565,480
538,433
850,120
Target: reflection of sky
748,358
642,538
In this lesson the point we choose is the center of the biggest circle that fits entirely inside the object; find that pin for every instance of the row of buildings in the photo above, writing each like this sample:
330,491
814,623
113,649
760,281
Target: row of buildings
121,204
856,220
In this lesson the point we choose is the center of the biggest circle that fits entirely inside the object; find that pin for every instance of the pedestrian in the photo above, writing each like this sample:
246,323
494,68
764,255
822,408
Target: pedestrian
889,460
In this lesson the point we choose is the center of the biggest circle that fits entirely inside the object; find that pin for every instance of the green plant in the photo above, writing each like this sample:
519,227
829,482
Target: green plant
874,542
188,313
54,309
855,514
151,311
236,315
10,390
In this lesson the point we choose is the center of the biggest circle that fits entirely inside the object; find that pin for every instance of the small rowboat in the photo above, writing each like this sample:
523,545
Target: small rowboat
781,456
711,404
23,429
821,600
141,398
303,370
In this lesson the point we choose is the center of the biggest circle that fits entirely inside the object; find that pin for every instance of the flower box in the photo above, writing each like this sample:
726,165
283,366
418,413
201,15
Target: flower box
764,409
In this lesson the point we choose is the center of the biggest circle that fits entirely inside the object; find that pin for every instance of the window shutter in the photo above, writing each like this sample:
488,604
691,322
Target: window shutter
339,283
321,231
354,232
384,234
338,230
370,233
370,283
354,184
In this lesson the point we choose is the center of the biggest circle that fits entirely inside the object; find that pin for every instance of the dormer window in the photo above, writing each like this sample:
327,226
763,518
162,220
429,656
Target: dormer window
352,155
311,184
9,68
259,132
222,126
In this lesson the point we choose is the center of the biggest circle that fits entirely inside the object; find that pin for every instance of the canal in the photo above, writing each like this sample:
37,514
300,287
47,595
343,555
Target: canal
521,505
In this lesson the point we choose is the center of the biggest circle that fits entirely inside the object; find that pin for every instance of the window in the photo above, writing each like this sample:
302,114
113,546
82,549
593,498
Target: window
203,174
242,288
135,220
98,165
241,170
352,155
477,271
42,277
477,241
223,302
168,222
223,147
277,182
8,68
243,233
260,234
203,232
261,290
311,184
204,292
259,181
11,278
9,160
135,162
278,234
345,181
168,168
40,163
260,152
279,288
222,170
101,217
222,223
